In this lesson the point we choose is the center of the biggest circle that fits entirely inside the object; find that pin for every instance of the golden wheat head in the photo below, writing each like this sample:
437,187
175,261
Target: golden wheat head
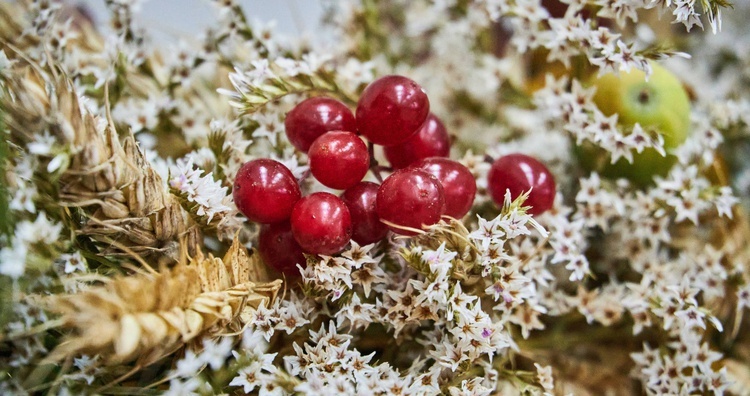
149,316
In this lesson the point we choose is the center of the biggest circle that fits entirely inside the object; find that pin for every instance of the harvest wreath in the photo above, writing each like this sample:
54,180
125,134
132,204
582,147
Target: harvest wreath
464,197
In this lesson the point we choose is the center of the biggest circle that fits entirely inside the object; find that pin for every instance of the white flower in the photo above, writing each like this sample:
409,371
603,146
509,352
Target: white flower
253,341
314,61
189,365
87,369
269,126
41,230
138,115
701,357
725,201
247,378
510,285
13,260
291,67
192,121
329,337
355,73
514,223
691,317
292,162
527,318
263,320
210,196
718,382
369,275
5,63
23,198
73,262
85,362
688,206
183,388
356,313
434,293
471,387
487,231
313,385
215,354
295,364
544,375
42,144
449,355
26,234
261,71
259,373
359,255
439,260
290,318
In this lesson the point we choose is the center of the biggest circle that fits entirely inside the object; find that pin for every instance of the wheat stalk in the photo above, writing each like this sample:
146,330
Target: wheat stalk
150,316
123,198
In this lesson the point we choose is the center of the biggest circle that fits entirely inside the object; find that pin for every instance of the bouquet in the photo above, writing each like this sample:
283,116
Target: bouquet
462,197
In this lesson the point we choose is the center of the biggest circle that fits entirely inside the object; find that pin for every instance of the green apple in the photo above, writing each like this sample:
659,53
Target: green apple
659,104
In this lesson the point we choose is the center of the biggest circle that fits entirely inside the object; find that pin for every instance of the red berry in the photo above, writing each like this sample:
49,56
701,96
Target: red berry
314,117
520,173
360,199
339,159
556,8
391,110
265,191
412,198
279,250
321,223
459,185
431,140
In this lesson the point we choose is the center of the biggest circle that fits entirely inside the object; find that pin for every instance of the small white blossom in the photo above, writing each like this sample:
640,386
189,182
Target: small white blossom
73,262
209,195
189,365
544,375
188,387
27,233
215,354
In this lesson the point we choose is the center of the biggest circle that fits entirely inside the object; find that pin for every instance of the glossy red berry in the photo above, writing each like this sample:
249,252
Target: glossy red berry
265,191
314,117
321,223
459,185
520,173
339,159
366,225
431,140
391,110
412,198
279,250
556,8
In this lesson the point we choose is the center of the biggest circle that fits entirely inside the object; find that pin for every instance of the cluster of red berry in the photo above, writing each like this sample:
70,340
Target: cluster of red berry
394,112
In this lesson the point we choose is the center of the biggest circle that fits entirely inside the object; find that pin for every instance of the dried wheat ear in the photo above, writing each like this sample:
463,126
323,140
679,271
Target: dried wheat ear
126,205
149,316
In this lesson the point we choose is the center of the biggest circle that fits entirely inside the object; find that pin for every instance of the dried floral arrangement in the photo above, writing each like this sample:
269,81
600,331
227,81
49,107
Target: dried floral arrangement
127,268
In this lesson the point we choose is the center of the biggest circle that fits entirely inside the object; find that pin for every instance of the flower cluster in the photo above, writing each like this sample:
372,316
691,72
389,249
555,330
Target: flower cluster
209,195
581,117
26,236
